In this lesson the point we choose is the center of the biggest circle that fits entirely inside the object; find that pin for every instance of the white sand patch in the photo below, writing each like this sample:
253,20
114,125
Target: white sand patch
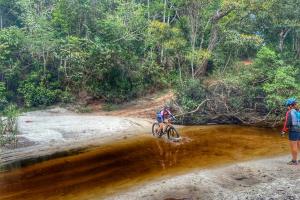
56,130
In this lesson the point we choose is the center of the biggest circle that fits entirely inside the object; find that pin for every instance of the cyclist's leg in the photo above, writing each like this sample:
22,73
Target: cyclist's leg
161,127
161,123
168,123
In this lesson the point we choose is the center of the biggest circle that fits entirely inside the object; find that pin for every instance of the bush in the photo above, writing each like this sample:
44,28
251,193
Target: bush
190,94
153,74
3,100
39,89
66,97
83,109
283,86
8,125
266,62
38,95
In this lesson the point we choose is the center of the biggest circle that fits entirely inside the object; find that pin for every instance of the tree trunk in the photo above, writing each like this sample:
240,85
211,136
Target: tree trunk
211,45
192,59
1,22
179,67
213,38
148,8
44,61
161,55
203,33
282,37
165,10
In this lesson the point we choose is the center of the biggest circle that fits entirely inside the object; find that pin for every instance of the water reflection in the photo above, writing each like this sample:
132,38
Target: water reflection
167,153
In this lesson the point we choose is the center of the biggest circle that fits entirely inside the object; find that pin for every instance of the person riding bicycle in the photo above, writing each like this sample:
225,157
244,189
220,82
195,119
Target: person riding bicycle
162,115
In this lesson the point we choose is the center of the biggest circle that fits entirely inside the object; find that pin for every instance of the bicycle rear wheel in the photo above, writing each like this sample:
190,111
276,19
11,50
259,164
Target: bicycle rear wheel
155,128
173,133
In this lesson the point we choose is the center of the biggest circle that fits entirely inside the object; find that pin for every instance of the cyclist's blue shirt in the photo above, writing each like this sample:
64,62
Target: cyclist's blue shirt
163,114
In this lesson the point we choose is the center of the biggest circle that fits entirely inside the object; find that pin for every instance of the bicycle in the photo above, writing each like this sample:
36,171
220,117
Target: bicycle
169,129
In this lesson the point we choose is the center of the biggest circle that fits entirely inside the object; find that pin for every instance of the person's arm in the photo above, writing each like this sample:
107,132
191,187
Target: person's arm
170,114
286,122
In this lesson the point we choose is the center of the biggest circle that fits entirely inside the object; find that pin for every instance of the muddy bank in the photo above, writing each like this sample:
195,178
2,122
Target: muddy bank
55,131
257,180
198,119
249,119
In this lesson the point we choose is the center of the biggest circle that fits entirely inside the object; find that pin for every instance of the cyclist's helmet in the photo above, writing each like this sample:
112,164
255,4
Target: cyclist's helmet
290,101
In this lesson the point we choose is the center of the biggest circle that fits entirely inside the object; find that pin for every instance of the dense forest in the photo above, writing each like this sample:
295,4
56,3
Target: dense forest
220,56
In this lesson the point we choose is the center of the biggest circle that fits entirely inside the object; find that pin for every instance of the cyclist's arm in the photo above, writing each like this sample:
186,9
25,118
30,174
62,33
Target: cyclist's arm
170,114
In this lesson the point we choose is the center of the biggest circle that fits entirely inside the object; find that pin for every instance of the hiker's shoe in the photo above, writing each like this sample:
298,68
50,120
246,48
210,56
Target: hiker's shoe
293,162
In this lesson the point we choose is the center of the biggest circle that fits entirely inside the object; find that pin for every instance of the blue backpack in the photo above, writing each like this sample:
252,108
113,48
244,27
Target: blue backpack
296,120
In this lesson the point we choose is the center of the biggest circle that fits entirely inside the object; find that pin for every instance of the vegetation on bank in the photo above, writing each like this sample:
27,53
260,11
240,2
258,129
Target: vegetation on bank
8,126
229,57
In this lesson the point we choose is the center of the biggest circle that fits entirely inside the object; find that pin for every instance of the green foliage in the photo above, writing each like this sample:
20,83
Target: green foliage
38,95
8,125
198,56
266,58
66,97
11,111
190,94
11,41
83,109
119,50
266,63
38,92
153,74
3,99
110,107
283,86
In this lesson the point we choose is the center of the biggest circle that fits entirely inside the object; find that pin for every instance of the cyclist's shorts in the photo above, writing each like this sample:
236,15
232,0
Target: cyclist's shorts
294,136
159,118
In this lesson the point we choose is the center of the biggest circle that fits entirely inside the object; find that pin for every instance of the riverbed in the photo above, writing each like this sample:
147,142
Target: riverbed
113,168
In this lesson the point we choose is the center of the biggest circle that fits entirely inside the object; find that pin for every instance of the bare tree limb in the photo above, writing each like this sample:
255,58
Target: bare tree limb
197,109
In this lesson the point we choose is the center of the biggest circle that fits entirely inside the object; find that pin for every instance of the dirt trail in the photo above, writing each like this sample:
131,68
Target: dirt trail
144,107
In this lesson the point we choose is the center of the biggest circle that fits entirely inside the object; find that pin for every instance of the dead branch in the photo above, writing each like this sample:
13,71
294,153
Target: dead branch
197,109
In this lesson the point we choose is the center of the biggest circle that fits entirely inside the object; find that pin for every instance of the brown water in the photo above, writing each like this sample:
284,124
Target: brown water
115,167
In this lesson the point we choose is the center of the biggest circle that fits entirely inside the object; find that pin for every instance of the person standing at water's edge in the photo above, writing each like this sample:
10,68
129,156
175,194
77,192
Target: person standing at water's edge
292,126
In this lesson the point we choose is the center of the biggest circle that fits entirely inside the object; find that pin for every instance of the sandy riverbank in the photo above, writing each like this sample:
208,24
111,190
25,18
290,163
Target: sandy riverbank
258,180
42,133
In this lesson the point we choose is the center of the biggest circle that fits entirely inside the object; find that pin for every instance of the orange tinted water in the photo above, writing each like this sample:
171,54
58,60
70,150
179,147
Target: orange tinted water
114,167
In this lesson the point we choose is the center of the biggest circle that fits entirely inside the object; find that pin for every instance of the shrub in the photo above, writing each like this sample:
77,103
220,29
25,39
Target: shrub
283,85
8,125
38,95
3,100
190,94
66,97
39,89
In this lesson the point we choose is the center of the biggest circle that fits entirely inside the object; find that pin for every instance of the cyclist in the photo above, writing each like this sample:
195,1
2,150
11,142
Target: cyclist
162,115
289,126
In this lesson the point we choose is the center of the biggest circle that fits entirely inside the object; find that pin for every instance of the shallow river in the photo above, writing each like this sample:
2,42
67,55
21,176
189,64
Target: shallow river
112,168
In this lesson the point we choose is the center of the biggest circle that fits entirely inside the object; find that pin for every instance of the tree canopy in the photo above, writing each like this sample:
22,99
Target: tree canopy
242,53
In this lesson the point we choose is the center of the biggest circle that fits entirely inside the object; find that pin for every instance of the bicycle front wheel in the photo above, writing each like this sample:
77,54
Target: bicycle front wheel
155,128
173,133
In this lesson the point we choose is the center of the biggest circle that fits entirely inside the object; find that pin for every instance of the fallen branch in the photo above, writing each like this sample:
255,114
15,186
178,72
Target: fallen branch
197,109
